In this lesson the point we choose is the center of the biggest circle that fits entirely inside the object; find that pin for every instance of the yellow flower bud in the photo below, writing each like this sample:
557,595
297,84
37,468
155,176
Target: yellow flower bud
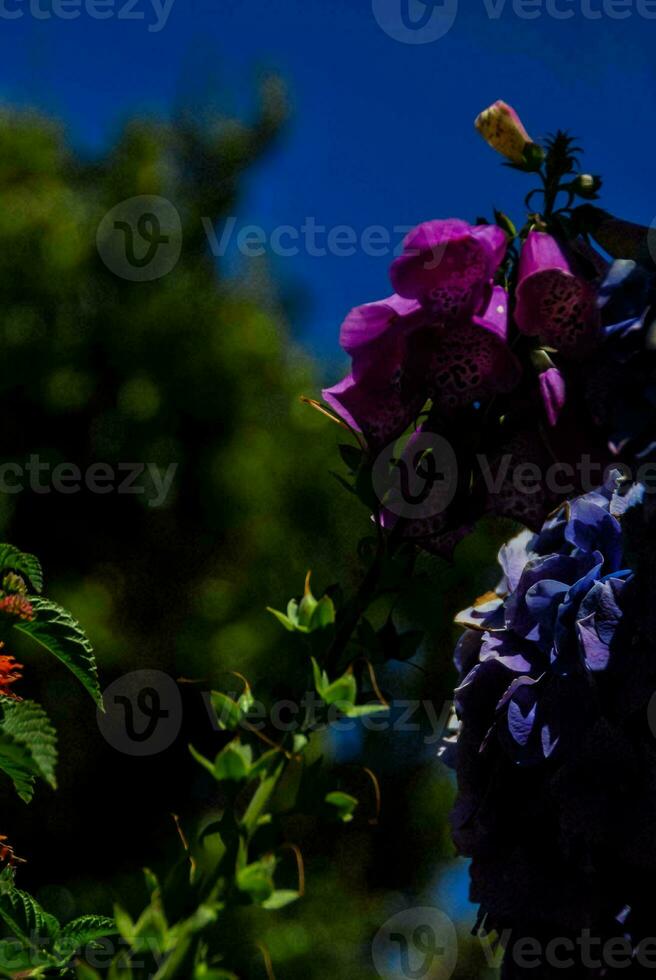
501,127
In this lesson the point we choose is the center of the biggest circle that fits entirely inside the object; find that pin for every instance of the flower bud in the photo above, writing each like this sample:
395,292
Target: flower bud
502,129
587,186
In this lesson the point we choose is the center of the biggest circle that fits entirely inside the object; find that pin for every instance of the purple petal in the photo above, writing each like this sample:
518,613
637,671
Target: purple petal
595,651
513,558
447,266
553,391
382,413
553,303
374,335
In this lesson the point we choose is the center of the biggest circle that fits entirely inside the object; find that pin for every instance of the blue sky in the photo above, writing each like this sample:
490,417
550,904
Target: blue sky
381,133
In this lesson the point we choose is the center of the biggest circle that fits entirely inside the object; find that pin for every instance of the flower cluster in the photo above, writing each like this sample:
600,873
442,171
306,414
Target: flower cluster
556,749
441,336
520,347
547,633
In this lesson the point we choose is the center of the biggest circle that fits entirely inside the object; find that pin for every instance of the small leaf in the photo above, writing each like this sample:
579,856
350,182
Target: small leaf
344,803
257,879
280,898
323,614
229,713
342,691
285,620
362,710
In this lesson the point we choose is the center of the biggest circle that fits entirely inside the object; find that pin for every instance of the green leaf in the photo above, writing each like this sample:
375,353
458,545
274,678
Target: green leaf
280,899
257,879
80,932
229,713
27,745
323,614
23,915
362,710
285,620
232,763
56,630
27,723
13,560
344,803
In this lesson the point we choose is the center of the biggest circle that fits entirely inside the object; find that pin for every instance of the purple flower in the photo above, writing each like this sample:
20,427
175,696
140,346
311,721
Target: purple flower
442,336
553,302
448,266
549,629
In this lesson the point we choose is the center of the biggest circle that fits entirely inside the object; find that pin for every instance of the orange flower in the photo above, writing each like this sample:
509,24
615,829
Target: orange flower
9,674
17,605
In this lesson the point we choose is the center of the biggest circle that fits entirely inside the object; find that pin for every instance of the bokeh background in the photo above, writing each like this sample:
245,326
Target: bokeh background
205,367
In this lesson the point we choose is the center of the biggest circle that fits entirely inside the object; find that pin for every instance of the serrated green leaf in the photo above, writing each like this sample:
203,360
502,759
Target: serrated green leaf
28,724
16,762
23,914
29,566
27,745
55,629
82,931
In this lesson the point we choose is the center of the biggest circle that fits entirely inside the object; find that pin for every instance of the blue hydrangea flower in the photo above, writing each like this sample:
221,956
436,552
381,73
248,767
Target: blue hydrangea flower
540,640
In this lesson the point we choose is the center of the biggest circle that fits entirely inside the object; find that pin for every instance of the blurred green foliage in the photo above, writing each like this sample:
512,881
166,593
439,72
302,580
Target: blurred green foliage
198,370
